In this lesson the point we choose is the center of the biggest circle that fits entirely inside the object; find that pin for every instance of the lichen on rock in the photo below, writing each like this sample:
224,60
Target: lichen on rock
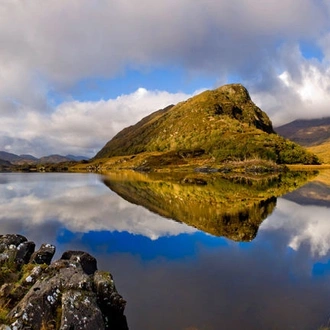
69,293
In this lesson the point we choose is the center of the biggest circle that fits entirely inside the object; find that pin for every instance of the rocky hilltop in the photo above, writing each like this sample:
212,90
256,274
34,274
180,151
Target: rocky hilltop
67,294
222,124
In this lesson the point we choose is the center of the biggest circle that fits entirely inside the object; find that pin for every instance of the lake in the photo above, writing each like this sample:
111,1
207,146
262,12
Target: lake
184,254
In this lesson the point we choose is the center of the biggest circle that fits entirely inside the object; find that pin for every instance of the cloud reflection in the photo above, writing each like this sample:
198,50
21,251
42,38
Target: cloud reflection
304,225
80,203
179,282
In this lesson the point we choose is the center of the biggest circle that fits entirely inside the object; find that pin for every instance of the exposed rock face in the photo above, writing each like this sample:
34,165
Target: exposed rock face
238,104
67,294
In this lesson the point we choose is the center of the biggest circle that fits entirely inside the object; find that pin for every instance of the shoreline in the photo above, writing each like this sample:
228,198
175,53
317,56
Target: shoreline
308,167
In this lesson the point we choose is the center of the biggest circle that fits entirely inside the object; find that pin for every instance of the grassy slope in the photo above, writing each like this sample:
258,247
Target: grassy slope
224,122
323,177
322,151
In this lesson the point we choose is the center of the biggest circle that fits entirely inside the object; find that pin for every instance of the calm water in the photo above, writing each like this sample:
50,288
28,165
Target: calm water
174,276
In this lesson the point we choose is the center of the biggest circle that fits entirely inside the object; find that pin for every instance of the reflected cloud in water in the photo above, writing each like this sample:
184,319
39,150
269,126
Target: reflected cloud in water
304,225
172,275
77,202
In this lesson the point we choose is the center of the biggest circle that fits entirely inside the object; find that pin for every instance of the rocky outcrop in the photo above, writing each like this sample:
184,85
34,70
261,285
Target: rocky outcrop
235,101
69,293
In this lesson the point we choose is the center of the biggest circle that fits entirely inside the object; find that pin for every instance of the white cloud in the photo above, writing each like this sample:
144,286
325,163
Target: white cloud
65,41
303,225
302,91
313,90
81,127
50,46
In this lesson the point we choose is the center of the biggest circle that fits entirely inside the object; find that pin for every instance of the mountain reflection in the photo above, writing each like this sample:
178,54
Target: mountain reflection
233,207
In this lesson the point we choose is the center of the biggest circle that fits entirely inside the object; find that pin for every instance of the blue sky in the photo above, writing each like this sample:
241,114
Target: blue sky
72,74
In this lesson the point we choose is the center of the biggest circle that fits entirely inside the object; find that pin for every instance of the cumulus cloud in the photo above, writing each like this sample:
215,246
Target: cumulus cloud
64,42
302,225
50,46
299,91
80,127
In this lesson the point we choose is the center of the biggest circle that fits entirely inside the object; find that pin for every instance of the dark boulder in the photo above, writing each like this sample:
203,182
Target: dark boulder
195,181
69,293
25,251
87,262
8,240
44,255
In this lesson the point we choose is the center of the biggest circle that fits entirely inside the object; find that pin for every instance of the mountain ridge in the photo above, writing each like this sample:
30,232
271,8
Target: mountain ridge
22,159
314,134
307,132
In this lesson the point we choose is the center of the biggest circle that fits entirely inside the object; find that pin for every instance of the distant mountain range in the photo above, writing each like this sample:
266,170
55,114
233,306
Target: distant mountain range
307,132
313,134
7,158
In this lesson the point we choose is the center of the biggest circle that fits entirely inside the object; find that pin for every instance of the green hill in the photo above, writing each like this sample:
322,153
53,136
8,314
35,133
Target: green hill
223,124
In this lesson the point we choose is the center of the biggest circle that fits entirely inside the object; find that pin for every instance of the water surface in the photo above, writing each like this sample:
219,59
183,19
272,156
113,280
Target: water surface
173,275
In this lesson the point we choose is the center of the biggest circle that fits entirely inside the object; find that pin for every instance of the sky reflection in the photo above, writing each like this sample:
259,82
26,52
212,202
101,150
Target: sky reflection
80,203
305,226
173,276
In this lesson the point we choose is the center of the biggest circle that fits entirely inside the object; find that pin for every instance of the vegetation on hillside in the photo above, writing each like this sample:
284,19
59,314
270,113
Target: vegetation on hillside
322,151
224,123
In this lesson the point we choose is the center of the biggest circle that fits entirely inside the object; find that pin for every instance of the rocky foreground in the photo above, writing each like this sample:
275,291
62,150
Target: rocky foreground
69,293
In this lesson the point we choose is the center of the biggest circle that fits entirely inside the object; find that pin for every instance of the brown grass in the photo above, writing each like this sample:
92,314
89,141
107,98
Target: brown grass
301,167
322,151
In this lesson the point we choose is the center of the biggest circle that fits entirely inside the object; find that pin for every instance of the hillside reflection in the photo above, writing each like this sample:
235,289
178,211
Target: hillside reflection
232,206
